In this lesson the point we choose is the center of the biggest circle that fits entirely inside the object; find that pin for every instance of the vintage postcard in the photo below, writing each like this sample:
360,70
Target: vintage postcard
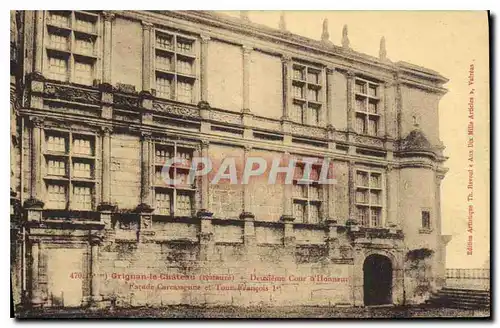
250,164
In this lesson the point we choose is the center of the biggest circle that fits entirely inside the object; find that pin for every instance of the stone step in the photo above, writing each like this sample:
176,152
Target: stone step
473,298
460,298
440,300
464,291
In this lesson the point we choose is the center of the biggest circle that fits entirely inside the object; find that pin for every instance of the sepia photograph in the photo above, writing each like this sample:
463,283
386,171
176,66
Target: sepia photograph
253,164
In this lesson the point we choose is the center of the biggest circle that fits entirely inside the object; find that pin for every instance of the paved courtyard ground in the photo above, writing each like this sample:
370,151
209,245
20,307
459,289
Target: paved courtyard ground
187,312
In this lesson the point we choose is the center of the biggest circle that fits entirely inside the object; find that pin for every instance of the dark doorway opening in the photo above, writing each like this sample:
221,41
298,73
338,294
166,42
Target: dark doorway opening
377,280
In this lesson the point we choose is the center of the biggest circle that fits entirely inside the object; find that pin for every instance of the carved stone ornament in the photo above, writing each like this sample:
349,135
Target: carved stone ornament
416,140
176,110
71,94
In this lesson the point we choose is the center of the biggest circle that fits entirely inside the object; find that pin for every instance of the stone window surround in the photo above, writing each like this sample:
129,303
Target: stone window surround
194,56
367,99
173,190
70,180
422,229
72,52
382,190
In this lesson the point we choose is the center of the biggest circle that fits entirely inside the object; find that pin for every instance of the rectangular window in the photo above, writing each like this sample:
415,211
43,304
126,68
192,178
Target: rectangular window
59,42
164,41
363,215
56,167
368,197
366,106
59,18
83,72
184,45
82,170
174,198
184,66
69,169
162,155
82,146
70,46
307,92
184,91
175,66
313,115
85,46
82,197
164,87
426,219
298,73
314,215
184,205
163,200
56,196
85,23
164,61
58,68
307,194
299,212
56,143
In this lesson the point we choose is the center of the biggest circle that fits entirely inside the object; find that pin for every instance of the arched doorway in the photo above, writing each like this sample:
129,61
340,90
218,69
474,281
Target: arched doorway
377,280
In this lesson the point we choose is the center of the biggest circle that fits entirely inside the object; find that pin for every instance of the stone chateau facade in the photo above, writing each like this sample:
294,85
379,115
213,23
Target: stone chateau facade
100,100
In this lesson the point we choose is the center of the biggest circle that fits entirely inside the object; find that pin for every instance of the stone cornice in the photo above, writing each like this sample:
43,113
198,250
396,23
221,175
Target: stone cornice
428,79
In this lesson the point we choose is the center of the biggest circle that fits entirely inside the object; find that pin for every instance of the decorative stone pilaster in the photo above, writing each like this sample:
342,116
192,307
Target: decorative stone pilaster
246,78
106,101
332,240
246,119
145,212
146,169
288,233
389,208
35,295
106,58
206,235
204,68
249,238
287,193
325,109
382,124
286,62
441,249
289,243
205,182
146,105
146,56
329,97
95,286
351,101
36,160
106,165
352,193
247,194
39,48
329,190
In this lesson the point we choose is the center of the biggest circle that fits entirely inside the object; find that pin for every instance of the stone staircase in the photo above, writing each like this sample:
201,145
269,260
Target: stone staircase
459,298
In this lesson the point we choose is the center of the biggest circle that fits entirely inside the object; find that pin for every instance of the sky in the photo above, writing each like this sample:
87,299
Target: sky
447,42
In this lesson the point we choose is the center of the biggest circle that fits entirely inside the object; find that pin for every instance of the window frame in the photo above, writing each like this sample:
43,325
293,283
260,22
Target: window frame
429,218
70,158
308,202
367,98
172,73
73,54
367,205
173,190
308,106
